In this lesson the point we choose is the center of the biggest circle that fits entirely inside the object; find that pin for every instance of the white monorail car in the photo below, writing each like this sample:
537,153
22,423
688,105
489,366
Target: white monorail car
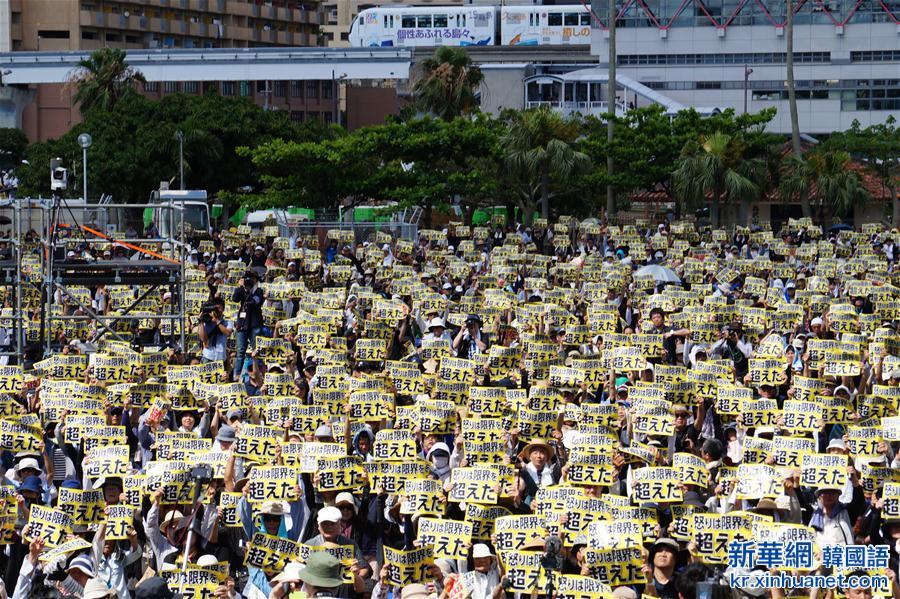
545,25
472,26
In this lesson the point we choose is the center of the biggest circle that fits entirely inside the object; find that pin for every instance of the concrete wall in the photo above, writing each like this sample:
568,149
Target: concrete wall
503,86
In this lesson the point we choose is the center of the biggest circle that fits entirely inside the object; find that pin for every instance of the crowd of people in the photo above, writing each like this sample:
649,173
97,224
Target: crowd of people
572,409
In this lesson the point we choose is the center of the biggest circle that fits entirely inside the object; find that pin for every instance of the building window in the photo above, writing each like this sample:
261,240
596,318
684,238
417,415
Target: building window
113,37
296,89
709,85
312,116
296,116
228,88
327,88
170,87
191,87
281,89
151,86
245,89
312,90
88,35
554,19
131,39
329,118
53,34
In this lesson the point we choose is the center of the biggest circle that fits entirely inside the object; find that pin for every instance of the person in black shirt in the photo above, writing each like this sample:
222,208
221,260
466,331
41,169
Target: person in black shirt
250,320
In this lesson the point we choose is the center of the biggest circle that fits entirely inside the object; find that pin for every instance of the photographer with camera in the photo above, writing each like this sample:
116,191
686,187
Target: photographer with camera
250,320
214,331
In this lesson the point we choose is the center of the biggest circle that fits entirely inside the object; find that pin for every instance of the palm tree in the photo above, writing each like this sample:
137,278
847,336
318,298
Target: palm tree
103,79
792,96
538,147
716,166
202,150
825,176
446,87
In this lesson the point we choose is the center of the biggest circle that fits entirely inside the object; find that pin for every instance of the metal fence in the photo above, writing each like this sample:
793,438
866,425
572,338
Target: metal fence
361,231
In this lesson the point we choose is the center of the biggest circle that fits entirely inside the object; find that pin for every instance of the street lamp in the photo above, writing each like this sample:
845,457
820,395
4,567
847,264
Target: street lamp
180,137
85,141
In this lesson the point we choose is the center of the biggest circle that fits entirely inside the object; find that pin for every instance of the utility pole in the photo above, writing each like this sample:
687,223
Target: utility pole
180,137
747,72
611,93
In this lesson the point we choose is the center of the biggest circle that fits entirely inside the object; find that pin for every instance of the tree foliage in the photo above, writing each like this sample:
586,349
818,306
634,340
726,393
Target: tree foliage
716,166
135,147
824,176
447,84
539,150
879,147
13,145
103,79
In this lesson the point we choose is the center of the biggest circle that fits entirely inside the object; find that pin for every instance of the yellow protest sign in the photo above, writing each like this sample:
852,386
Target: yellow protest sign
257,443
448,539
657,485
83,507
712,533
269,553
50,525
272,483
616,567
824,471
118,520
107,462
408,567
475,485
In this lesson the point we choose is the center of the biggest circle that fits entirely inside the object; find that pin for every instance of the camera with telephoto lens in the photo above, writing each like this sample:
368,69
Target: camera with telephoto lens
206,313
202,473
552,558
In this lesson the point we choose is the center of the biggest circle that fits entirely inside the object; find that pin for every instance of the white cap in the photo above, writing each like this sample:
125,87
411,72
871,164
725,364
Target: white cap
259,248
167,295
70,255
836,444
28,463
436,322
481,550
329,514
385,248
816,321
207,560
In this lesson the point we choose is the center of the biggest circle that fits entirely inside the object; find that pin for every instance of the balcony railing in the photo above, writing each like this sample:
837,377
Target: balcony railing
583,108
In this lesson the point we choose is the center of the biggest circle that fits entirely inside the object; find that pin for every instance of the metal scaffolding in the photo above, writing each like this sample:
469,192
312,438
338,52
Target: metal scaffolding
59,224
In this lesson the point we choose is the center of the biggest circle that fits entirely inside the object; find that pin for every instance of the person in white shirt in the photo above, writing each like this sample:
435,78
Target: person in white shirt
483,581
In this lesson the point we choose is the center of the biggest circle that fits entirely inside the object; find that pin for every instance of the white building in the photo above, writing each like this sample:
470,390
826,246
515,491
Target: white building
696,52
